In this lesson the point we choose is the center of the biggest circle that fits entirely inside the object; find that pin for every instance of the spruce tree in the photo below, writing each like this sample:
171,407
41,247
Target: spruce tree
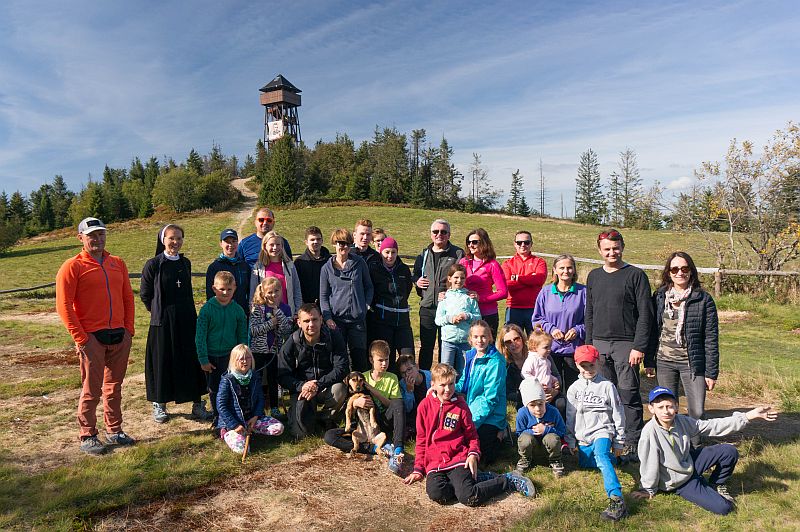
4,213
419,196
517,204
61,198
195,163
281,186
589,201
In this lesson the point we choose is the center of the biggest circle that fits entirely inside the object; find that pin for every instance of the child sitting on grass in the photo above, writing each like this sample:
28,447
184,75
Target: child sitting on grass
539,428
414,386
384,393
483,382
670,463
220,327
448,449
595,424
240,402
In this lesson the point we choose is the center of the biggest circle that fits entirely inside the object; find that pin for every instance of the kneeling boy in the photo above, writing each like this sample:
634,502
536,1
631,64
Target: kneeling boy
539,427
448,449
670,463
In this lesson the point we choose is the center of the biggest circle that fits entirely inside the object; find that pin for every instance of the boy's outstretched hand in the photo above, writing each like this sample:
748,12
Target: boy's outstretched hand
764,412
413,477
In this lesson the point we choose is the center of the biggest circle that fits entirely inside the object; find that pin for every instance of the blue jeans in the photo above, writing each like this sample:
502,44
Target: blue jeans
598,455
520,316
453,354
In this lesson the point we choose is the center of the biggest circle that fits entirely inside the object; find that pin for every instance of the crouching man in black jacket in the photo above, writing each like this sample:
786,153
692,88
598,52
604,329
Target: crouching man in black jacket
312,366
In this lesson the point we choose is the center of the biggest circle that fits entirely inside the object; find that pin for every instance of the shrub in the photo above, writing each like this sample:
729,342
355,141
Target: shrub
215,191
176,189
9,234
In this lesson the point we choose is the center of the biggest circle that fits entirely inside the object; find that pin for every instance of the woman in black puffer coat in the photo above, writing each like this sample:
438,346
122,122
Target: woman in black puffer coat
684,345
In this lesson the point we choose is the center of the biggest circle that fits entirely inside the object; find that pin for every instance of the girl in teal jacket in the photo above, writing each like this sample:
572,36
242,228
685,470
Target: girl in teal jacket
483,382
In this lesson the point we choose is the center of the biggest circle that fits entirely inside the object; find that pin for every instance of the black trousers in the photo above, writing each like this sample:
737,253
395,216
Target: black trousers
458,484
399,337
615,367
428,334
490,445
569,371
494,322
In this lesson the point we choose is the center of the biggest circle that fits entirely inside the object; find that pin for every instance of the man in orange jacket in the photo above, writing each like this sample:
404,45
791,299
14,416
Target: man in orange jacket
95,301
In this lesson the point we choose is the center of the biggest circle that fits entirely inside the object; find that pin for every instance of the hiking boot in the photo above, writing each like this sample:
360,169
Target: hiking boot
92,446
119,438
160,413
558,468
521,484
722,489
629,455
616,509
483,476
199,411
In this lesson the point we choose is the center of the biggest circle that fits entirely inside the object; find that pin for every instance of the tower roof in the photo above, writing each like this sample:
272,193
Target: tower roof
280,83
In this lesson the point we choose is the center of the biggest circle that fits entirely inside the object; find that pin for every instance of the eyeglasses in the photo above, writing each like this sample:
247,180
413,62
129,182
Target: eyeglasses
523,242
613,234
675,269
440,231
343,244
473,242
267,220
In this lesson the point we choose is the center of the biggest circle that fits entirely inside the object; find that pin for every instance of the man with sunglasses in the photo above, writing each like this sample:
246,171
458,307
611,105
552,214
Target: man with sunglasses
250,246
619,314
430,278
525,274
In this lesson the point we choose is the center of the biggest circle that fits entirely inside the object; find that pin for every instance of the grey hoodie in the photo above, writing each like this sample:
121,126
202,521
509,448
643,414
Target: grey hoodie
344,294
594,411
665,460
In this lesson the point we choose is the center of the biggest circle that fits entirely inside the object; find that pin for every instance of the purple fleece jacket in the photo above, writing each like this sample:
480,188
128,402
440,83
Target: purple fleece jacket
551,312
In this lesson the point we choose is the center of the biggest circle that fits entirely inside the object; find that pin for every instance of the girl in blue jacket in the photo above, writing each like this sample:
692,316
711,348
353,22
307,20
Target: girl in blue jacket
240,402
483,382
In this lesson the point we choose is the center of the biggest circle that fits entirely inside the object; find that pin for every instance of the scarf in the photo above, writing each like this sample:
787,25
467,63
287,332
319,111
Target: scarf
242,378
675,298
232,260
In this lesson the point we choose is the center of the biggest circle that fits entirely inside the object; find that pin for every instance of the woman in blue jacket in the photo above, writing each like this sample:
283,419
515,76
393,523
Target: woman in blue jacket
483,382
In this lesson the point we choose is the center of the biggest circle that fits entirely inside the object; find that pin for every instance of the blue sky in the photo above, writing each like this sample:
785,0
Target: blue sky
84,84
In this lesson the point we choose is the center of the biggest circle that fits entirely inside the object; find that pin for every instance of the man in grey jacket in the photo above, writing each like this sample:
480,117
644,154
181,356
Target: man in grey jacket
670,463
430,278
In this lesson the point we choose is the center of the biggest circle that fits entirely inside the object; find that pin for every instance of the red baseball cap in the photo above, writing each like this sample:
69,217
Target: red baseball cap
586,353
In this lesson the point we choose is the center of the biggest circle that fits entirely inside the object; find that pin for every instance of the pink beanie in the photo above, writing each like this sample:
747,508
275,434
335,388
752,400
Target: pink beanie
387,243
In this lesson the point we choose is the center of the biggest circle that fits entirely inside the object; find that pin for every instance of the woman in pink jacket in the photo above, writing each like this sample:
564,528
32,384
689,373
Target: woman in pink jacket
484,275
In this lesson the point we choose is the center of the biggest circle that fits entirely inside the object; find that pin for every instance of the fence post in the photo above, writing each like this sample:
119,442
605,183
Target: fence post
717,284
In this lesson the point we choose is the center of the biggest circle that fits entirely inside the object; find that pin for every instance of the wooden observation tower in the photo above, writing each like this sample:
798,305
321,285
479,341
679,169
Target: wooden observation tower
280,100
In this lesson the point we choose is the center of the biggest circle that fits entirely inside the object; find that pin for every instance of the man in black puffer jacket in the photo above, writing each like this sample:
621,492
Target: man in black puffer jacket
312,365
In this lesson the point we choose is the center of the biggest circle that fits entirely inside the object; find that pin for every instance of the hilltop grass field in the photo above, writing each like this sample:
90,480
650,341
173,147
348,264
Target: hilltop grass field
179,477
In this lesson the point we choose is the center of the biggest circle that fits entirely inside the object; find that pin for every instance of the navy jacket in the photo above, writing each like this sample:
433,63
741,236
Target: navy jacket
240,271
228,407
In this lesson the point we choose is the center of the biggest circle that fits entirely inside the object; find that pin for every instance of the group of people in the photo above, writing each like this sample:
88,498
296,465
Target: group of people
567,356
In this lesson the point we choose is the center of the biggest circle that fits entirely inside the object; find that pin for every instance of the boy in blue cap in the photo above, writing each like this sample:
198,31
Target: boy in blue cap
670,463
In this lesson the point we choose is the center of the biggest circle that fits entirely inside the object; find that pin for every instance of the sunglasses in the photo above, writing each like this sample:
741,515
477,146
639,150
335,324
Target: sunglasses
473,242
343,244
513,340
609,234
440,231
523,242
267,220
675,269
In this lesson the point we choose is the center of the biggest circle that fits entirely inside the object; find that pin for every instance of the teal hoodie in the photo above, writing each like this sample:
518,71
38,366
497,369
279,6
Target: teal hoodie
456,302
484,383
219,329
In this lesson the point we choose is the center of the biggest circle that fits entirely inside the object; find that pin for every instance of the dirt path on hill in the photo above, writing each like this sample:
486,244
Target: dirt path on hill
246,208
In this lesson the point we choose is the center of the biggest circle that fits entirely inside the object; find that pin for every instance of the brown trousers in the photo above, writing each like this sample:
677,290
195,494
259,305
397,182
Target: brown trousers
102,369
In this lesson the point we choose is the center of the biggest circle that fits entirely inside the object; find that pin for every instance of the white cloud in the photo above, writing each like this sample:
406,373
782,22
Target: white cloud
680,183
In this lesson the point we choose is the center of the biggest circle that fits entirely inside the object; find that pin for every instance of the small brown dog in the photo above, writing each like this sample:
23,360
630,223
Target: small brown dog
367,429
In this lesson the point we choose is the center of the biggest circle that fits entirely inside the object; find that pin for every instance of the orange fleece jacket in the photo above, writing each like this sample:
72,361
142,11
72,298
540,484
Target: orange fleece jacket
91,296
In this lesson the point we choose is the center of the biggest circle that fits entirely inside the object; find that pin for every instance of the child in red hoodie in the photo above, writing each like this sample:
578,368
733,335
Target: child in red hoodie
448,450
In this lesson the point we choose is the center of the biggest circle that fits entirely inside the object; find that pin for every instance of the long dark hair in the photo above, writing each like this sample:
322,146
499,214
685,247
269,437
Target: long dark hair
694,280
485,246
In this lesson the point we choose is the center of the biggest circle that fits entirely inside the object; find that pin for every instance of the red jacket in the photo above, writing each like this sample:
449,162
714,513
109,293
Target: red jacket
446,435
532,274
91,296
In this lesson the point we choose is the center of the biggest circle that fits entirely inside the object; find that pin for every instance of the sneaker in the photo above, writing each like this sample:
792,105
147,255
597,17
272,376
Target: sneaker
558,468
395,461
199,411
119,438
722,489
92,446
521,484
616,509
388,450
160,413
483,476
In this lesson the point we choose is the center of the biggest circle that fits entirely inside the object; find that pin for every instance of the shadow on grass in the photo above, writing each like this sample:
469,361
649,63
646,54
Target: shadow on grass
27,252
764,477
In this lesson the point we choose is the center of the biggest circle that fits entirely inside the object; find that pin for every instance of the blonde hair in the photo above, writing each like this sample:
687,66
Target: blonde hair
481,323
574,267
238,351
342,235
539,337
379,347
225,278
263,256
443,372
501,345
259,296
364,222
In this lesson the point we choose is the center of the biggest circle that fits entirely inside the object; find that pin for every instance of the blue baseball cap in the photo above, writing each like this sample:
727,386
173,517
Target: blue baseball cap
658,391
226,233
